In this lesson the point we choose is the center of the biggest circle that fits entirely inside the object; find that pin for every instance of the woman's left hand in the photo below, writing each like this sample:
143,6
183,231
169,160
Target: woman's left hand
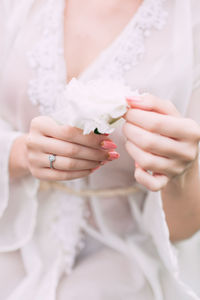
163,144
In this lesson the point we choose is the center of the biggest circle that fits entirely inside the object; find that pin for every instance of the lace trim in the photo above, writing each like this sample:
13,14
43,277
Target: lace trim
129,48
66,228
47,58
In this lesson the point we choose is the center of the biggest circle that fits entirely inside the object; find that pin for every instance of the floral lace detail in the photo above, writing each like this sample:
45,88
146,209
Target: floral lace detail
66,228
47,58
129,48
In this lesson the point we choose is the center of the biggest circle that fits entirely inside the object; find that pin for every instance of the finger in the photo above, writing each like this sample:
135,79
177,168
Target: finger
50,128
152,103
62,163
61,148
57,175
152,183
177,128
158,144
154,163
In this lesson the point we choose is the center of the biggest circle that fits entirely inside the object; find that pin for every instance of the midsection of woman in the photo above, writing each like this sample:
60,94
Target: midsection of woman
45,223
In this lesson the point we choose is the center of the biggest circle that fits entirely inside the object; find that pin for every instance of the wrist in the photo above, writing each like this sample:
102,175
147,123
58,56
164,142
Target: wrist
190,175
181,203
18,162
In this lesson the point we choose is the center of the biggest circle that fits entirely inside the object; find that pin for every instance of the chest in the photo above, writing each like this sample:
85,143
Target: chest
90,28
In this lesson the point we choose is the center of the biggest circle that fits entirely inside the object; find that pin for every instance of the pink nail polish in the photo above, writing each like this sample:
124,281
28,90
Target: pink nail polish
134,99
112,155
132,102
106,145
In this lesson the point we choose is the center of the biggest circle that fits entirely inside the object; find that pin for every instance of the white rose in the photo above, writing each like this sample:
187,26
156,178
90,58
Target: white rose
97,104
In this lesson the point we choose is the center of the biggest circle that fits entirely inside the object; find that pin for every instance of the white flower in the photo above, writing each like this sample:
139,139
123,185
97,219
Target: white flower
95,104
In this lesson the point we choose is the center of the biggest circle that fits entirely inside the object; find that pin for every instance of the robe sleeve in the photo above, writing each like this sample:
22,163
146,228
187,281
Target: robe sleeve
180,261
18,198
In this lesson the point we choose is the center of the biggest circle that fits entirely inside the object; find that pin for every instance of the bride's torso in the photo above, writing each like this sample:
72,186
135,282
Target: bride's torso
36,70
150,54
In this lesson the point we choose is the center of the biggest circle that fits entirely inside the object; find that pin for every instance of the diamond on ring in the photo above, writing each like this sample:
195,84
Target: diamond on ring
52,158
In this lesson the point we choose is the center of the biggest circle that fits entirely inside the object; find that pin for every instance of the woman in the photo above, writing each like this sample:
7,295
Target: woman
130,251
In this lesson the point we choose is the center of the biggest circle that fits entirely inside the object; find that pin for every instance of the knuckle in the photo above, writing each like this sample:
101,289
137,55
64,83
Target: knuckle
194,129
148,142
71,164
157,123
190,154
176,171
35,122
176,168
30,157
74,150
146,162
68,131
30,141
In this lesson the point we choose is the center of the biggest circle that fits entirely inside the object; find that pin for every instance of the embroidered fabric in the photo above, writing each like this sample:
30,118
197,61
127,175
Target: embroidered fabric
47,57
129,47
47,88
46,60
69,214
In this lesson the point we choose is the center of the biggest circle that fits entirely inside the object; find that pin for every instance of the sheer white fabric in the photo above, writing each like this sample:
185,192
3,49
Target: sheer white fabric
130,256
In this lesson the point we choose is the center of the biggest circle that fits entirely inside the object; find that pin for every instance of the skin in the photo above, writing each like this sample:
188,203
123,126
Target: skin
159,139
82,34
97,23
77,155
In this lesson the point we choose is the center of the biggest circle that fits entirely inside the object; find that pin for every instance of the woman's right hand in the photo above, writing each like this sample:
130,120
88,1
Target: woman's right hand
77,155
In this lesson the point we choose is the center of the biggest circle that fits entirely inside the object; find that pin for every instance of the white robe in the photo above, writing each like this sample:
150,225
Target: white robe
130,256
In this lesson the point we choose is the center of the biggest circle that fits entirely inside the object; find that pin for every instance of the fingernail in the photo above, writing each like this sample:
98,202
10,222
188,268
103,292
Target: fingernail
113,155
136,165
133,100
106,145
106,134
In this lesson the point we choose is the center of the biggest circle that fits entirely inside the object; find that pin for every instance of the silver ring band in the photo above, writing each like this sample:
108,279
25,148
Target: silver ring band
52,158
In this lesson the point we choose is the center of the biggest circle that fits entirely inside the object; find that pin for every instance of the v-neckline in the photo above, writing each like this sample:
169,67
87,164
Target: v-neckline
100,57
47,59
